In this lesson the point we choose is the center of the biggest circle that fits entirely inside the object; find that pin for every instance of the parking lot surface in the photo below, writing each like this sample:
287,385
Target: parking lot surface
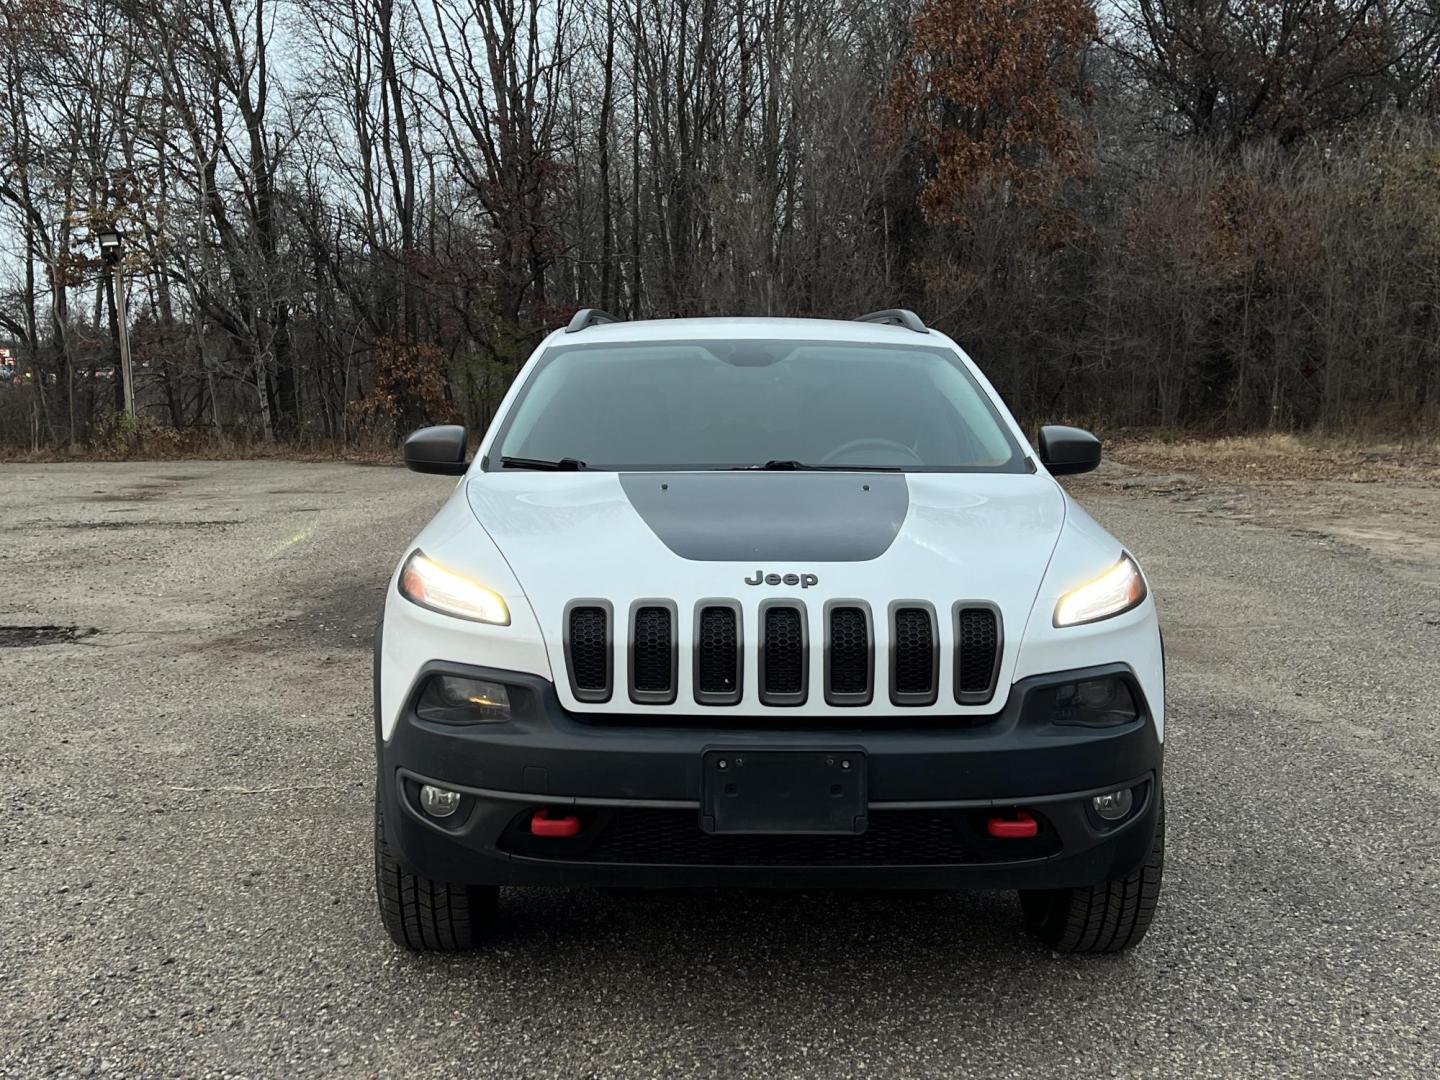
185,828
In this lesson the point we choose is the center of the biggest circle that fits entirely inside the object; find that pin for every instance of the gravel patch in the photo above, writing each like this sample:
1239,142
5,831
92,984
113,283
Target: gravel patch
185,799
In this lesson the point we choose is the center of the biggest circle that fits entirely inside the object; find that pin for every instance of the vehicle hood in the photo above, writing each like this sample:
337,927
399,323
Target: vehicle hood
691,536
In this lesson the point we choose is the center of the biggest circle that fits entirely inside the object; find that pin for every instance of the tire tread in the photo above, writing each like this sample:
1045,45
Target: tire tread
425,915
1105,918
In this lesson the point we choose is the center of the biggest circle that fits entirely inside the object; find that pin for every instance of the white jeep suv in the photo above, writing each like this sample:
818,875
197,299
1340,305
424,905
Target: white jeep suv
765,602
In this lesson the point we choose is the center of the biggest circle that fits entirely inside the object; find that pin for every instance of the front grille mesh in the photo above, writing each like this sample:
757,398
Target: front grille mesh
653,672
914,647
977,640
784,651
719,656
849,652
674,838
717,653
589,650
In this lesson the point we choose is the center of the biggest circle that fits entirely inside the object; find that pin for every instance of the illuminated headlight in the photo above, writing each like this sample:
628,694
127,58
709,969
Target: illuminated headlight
425,582
1117,590
453,699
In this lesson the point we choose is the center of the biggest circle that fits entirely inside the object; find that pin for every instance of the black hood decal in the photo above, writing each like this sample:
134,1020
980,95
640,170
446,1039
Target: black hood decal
771,517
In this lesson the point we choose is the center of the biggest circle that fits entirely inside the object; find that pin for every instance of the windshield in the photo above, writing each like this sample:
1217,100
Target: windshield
754,404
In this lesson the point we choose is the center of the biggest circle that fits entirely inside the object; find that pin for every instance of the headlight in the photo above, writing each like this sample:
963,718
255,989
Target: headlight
1118,589
1096,703
454,699
425,582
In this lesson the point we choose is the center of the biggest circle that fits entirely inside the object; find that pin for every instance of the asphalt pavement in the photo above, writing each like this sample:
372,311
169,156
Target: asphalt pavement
185,834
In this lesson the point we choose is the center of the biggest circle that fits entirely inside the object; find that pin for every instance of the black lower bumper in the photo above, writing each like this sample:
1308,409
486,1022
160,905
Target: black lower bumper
635,789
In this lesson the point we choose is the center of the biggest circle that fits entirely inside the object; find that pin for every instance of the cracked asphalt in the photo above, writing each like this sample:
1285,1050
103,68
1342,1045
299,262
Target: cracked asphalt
185,861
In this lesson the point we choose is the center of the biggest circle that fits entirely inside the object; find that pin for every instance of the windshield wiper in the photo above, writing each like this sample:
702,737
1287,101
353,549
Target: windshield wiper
564,464
782,464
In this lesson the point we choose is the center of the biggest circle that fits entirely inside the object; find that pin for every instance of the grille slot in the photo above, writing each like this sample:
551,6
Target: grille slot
978,640
589,649
718,656
784,653
652,652
849,653
914,654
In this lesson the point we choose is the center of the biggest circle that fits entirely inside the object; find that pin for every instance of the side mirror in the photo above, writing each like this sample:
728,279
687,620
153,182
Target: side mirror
439,449
1067,450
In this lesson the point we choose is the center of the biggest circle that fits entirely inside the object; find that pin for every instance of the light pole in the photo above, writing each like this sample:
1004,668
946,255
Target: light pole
112,243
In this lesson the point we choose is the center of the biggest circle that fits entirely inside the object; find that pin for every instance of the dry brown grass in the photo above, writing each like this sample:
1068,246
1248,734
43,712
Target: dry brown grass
1281,456
203,446
1225,458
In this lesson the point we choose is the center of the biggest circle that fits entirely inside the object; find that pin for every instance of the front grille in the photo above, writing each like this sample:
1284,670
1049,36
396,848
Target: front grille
977,654
674,838
713,633
588,650
849,661
652,654
914,657
718,662
784,659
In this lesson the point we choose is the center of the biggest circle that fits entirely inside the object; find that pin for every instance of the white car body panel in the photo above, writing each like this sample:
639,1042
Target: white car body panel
576,535
544,539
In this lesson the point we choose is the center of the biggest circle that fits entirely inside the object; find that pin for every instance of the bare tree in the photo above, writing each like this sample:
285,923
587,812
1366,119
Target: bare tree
350,216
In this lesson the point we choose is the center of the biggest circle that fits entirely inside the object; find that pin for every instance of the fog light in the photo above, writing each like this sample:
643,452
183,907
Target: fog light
437,802
1113,805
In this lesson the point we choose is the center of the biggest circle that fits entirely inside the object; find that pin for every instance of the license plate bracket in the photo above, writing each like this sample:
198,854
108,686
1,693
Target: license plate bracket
775,792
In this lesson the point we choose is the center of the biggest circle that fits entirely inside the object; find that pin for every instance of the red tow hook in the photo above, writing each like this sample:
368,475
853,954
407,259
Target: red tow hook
542,824
1016,827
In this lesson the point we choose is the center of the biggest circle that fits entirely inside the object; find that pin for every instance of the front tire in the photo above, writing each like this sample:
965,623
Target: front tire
425,915
1105,918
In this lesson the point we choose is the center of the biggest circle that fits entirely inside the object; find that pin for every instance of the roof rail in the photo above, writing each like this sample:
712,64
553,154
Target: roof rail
589,316
896,317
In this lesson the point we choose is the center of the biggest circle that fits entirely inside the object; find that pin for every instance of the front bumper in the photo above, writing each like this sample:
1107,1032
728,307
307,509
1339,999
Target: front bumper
635,785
